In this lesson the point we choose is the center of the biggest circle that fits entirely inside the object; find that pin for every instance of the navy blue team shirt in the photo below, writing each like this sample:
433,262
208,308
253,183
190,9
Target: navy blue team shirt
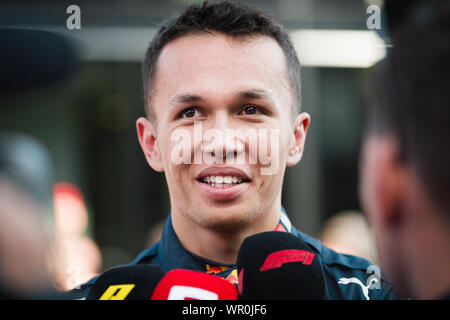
347,277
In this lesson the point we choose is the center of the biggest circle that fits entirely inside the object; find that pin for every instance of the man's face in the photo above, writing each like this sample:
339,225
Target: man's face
207,87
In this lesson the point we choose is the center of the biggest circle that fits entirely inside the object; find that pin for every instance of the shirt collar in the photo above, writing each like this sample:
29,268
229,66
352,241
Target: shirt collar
172,255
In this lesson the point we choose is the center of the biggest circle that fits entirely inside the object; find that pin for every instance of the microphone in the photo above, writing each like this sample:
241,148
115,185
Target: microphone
278,266
126,283
182,284
33,59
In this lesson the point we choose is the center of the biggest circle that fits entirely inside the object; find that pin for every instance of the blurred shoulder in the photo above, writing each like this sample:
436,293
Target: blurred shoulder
348,276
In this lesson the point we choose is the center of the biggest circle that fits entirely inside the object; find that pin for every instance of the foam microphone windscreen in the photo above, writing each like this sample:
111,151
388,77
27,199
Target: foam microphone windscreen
404,15
278,266
182,284
126,283
34,58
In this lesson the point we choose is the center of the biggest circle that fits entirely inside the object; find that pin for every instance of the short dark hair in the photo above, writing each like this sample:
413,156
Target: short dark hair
226,17
410,100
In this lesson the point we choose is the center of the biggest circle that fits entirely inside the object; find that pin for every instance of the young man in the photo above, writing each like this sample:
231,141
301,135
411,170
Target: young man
405,172
221,83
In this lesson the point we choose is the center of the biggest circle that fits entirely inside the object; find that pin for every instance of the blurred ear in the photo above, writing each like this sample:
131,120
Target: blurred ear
147,139
298,139
390,183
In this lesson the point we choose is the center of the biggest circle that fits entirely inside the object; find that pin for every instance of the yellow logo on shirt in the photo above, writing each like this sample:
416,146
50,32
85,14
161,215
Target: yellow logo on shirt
117,292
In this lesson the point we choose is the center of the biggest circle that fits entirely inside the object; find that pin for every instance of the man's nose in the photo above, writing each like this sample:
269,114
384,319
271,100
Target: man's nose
220,141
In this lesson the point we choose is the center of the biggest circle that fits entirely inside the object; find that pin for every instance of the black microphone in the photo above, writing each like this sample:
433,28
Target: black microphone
33,59
278,266
126,283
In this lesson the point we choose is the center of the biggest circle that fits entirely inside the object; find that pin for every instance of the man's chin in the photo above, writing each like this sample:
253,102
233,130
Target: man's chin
225,221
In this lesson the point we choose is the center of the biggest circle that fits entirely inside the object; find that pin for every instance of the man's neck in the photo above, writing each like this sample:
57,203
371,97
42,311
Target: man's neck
430,263
220,246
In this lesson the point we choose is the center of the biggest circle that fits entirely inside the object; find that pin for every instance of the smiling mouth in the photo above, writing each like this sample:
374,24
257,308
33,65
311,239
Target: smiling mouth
222,181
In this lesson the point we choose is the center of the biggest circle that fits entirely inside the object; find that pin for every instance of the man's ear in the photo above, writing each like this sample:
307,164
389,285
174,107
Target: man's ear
391,184
147,139
298,139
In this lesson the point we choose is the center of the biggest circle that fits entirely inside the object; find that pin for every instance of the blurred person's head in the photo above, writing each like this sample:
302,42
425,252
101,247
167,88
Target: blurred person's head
26,171
348,232
214,69
405,171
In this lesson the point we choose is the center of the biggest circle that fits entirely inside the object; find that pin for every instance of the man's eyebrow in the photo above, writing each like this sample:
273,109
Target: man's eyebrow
184,98
256,93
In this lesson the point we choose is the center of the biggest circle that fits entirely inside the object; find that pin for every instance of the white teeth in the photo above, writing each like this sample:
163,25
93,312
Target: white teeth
222,181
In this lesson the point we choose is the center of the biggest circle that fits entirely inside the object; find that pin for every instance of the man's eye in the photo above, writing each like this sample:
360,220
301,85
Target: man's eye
190,113
251,109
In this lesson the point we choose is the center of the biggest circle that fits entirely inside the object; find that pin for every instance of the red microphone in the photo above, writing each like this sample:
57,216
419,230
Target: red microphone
182,284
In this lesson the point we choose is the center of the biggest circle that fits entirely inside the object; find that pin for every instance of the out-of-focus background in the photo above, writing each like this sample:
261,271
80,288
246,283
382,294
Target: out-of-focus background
106,203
